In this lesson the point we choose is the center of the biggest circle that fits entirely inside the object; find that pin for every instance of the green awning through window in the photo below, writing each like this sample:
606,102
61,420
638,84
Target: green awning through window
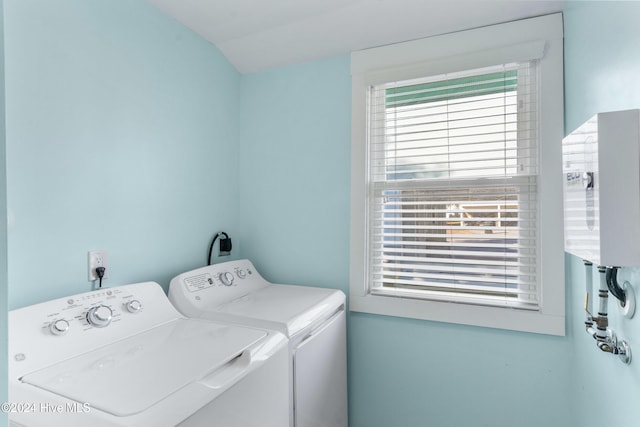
485,84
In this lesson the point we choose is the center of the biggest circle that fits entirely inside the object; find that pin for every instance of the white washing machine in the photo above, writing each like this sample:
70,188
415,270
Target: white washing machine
124,356
313,319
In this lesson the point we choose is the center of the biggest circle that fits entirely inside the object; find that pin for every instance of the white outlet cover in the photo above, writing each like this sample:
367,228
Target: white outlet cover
97,259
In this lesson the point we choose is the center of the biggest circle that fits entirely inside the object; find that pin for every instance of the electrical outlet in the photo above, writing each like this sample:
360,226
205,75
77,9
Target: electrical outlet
97,259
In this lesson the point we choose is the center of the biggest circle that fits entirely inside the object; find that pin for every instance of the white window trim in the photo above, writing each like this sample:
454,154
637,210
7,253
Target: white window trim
519,40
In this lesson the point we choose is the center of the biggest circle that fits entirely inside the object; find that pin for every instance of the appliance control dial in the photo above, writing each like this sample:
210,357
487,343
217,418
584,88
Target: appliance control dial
241,273
59,327
99,316
226,278
134,306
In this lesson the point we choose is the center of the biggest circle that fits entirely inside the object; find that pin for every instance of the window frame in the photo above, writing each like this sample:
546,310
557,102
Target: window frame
517,179
511,42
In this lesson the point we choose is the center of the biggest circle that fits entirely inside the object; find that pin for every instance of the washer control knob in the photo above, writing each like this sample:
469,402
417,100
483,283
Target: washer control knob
59,327
134,306
226,278
99,316
241,274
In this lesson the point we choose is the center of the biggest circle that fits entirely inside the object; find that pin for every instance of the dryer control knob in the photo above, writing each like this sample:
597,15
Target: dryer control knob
134,306
99,316
59,327
226,278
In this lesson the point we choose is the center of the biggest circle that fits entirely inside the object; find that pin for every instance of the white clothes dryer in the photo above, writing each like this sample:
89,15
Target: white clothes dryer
124,356
313,318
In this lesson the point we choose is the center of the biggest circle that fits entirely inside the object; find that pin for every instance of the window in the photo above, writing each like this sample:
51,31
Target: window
448,219
453,187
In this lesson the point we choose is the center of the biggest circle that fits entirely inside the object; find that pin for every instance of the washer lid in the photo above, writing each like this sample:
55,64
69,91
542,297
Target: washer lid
286,308
131,375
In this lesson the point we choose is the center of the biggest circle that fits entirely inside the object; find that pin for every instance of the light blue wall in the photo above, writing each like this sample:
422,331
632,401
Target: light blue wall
294,148
294,186
602,69
3,231
122,133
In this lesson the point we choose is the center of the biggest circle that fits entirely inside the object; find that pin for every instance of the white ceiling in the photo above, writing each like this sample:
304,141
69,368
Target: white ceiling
260,34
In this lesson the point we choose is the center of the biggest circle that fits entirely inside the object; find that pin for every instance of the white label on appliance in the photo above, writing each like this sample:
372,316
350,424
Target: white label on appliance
198,283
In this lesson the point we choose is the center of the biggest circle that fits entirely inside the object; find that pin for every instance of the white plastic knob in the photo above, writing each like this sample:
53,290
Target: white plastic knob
226,278
59,327
99,316
134,306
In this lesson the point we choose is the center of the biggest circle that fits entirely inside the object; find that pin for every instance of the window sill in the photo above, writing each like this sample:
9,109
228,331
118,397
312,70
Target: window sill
465,314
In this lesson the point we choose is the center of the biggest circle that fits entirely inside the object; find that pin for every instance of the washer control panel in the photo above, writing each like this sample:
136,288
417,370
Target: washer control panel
96,309
84,312
78,323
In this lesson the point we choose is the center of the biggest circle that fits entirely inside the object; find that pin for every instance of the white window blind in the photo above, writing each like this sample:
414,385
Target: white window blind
452,182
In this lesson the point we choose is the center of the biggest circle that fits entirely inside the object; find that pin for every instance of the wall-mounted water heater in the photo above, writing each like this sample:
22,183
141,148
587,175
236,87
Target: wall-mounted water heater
601,175
601,182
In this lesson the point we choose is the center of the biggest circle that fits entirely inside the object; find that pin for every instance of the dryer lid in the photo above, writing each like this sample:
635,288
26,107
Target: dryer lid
131,375
285,308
